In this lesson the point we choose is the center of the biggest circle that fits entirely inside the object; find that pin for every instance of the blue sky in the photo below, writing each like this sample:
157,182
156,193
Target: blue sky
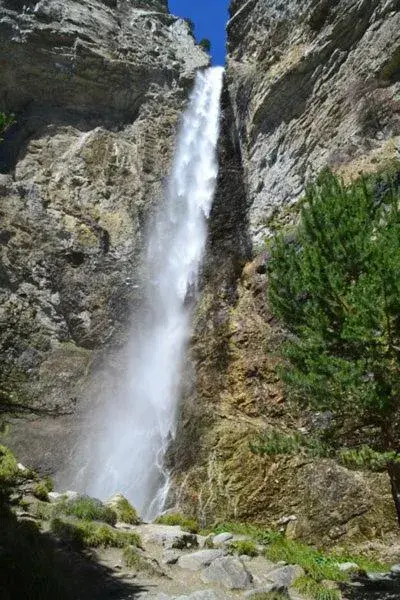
210,17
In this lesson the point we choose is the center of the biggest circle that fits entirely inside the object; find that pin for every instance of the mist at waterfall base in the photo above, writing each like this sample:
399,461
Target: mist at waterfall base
125,447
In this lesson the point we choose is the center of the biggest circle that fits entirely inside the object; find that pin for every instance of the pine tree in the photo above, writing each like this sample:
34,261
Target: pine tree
336,286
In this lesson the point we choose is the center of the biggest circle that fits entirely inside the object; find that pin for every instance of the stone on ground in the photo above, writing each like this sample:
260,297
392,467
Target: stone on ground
199,560
348,566
222,538
229,572
284,577
170,536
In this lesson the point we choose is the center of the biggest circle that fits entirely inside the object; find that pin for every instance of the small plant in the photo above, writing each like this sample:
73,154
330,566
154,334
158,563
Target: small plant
246,547
89,509
5,122
317,591
24,504
44,510
41,491
84,534
205,44
186,524
273,443
8,467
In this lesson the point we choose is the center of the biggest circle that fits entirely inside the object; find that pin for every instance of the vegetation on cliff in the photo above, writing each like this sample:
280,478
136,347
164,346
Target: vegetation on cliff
335,284
5,122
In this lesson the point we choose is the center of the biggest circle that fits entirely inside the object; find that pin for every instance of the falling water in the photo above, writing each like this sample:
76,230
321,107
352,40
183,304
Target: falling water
139,423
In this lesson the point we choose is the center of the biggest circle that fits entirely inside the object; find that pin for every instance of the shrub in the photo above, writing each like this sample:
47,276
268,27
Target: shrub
243,547
187,524
89,509
90,534
205,44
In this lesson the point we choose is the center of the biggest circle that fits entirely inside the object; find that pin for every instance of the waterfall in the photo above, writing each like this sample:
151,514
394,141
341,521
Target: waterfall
138,424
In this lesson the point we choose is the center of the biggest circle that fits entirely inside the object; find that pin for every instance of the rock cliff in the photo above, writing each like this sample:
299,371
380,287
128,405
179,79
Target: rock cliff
97,89
313,83
310,84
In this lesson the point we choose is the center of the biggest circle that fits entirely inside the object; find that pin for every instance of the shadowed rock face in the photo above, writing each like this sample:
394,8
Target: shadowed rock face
309,83
97,88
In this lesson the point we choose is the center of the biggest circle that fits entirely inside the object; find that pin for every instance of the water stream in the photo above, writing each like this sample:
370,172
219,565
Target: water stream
137,423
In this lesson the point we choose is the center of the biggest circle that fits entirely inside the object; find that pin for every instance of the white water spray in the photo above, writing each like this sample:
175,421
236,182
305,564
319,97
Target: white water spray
138,424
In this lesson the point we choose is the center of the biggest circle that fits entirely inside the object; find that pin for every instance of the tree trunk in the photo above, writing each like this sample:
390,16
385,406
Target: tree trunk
394,475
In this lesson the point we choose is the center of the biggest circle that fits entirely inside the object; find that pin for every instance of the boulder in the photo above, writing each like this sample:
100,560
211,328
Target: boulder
229,572
348,566
395,570
170,536
222,538
199,560
284,577
170,557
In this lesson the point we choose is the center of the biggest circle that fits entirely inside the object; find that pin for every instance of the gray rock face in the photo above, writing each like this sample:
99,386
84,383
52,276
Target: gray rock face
284,577
222,538
199,560
313,83
97,88
229,572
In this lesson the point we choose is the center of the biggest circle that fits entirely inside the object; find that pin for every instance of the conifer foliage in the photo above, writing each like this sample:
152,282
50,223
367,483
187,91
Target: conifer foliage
335,285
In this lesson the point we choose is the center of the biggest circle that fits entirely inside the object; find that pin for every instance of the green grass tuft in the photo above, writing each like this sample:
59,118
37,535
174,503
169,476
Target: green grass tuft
89,509
8,467
246,547
41,492
316,565
83,534
317,591
186,523
364,562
